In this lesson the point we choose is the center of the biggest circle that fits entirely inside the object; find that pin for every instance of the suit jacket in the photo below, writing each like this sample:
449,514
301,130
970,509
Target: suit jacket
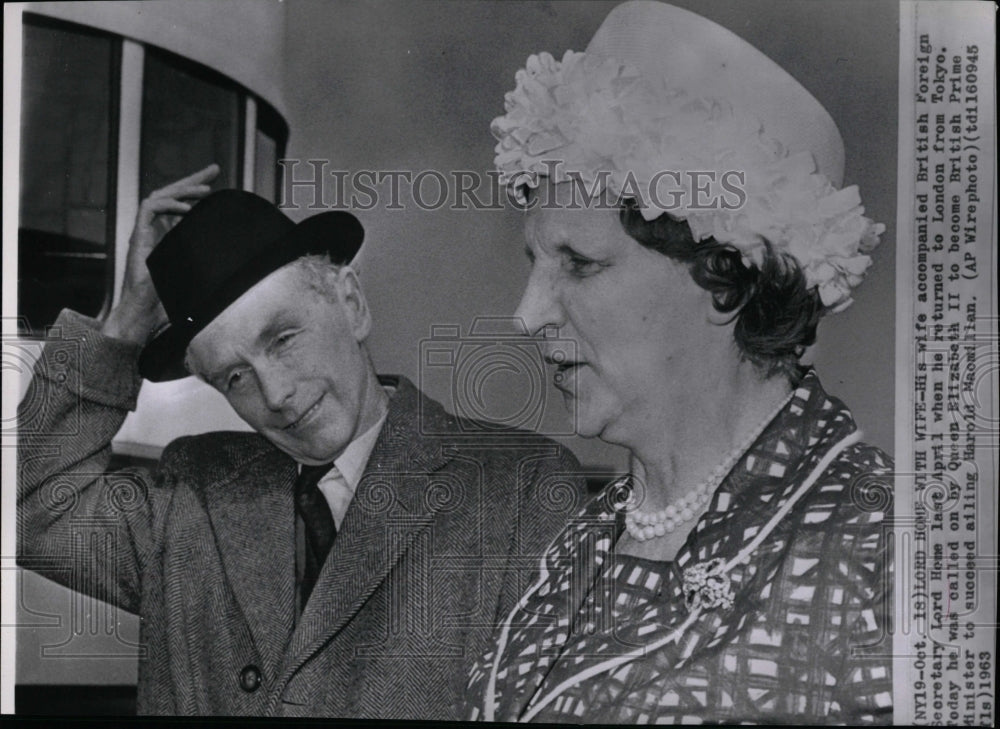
437,544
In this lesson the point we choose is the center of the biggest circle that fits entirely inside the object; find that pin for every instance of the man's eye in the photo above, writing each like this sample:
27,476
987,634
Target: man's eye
235,380
283,339
581,265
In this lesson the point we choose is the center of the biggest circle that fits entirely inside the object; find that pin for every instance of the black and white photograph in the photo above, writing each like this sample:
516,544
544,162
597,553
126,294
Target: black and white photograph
562,361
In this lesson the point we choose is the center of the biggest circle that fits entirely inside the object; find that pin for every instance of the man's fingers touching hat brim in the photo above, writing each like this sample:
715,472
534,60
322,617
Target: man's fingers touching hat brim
194,180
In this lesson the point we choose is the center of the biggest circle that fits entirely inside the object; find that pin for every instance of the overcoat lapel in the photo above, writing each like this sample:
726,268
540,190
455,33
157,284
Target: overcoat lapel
390,509
253,519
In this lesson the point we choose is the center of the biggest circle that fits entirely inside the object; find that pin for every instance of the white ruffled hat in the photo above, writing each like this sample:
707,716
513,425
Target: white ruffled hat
660,88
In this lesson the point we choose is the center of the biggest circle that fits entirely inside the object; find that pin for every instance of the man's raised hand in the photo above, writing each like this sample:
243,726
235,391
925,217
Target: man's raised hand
138,312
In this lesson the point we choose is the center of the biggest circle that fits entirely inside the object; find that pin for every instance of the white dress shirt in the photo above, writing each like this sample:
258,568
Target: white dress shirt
339,483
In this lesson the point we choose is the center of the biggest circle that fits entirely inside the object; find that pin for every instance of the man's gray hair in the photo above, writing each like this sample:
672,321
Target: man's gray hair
316,267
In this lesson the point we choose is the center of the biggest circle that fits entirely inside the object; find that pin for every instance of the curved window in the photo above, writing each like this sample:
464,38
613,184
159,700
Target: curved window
75,136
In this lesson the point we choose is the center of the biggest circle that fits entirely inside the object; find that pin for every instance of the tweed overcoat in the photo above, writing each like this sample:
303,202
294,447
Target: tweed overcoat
437,544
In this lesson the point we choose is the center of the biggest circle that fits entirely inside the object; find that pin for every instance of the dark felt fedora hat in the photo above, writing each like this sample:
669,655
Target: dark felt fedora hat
222,247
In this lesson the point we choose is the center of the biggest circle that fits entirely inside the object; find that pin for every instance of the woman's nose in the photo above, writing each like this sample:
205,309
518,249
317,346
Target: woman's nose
539,307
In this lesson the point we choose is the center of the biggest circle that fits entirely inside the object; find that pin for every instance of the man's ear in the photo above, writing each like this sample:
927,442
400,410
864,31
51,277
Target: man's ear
352,298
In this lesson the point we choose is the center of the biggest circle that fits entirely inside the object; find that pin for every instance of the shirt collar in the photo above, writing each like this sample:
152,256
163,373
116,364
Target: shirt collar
354,459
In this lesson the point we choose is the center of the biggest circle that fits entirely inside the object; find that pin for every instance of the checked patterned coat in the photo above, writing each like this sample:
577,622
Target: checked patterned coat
435,548
805,640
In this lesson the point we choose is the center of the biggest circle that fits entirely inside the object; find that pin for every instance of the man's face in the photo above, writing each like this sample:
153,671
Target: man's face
290,361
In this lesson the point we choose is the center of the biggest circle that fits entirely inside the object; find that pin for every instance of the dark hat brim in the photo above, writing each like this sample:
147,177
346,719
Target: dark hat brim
337,233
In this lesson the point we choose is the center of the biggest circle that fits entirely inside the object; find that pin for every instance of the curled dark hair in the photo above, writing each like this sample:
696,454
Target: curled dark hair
775,314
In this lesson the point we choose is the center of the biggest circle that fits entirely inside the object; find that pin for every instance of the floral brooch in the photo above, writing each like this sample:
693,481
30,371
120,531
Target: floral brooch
707,586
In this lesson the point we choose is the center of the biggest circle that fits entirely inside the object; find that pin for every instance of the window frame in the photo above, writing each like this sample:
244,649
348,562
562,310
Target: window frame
209,76
115,67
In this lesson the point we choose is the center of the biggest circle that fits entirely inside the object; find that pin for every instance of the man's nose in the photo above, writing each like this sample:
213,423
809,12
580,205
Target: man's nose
539,307
277,385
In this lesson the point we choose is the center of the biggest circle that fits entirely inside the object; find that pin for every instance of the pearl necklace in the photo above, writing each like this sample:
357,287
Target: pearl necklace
642,525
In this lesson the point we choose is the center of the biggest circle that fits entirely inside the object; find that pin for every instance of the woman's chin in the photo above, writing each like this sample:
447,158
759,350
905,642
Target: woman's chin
589,426
588,433
592,413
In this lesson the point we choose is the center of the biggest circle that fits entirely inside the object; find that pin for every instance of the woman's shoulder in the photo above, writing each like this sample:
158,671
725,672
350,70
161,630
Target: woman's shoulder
855,478
855,488
839,534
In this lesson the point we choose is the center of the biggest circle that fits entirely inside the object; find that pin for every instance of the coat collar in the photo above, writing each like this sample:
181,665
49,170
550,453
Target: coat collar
788,449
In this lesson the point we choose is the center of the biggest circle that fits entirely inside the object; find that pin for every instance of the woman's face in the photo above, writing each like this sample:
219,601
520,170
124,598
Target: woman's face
640,323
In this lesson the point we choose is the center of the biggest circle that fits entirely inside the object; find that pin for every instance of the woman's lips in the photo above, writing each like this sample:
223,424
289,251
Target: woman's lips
565,376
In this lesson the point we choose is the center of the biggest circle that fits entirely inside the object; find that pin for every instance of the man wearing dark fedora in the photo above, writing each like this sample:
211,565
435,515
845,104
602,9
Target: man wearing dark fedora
341,560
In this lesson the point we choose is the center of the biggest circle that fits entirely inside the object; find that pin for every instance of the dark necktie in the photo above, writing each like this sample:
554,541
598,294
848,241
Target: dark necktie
320,527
